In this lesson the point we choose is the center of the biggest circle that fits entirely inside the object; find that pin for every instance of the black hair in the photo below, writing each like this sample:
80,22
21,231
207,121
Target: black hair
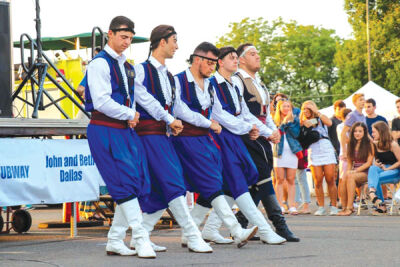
371,101
224,51
204,47
119,21
158,33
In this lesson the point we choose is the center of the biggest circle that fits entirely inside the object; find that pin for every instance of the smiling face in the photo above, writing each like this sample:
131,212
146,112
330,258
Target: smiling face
307,113
358,133
375,134
286,108
119,41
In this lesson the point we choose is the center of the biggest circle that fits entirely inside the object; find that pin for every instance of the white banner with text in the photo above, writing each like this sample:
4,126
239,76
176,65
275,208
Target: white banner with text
34,171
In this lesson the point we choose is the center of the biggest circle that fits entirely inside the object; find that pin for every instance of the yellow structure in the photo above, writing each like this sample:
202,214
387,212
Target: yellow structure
73,72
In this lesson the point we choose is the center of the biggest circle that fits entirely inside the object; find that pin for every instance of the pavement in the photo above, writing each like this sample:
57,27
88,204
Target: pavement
325,241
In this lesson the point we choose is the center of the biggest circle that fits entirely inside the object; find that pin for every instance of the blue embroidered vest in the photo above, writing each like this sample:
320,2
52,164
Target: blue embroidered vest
119,93
152,83
225,97
189,96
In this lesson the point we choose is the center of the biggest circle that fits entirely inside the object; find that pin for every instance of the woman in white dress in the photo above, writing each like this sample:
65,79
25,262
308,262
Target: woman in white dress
285,158
322,158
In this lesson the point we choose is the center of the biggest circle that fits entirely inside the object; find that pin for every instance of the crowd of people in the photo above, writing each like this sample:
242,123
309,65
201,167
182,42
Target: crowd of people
351,151
212,129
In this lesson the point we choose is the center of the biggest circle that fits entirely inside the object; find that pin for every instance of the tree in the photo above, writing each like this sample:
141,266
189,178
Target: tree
295,59
351,58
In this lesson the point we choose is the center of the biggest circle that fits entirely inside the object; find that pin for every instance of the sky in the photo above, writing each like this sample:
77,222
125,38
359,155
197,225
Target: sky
194,21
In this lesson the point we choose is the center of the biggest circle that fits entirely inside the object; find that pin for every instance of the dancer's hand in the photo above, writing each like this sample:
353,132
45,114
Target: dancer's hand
254,133
176,127
215,127
135,121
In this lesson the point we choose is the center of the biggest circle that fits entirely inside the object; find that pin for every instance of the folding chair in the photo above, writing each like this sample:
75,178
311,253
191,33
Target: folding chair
363,196
393,202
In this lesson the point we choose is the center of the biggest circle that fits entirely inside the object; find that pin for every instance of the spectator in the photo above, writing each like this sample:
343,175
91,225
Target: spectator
288,150
342,160
396,124
338,106
275,100
322,157
360,153
387,163
372,117
302,197
353,117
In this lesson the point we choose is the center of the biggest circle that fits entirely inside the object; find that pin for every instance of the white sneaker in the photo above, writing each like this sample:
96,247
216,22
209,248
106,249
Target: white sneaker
334,211
320,212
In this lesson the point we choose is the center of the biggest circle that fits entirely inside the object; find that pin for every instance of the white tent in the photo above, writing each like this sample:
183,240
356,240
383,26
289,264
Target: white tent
385,101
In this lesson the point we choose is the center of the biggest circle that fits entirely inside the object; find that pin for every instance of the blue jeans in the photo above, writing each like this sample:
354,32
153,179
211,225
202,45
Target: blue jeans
378,177
302,187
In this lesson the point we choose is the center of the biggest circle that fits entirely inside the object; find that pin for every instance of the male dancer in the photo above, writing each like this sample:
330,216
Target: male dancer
115,146
257,99
155,93
200,158
239,170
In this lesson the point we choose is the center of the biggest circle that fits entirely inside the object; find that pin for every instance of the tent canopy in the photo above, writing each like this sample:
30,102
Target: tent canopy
68,42
385,101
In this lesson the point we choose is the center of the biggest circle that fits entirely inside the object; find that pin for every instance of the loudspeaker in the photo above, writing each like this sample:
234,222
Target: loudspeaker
5,60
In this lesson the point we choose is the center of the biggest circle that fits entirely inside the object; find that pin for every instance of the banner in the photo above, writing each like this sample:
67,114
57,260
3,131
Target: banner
35,171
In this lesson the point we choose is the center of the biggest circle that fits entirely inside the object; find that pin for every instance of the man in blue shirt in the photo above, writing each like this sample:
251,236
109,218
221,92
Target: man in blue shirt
372,117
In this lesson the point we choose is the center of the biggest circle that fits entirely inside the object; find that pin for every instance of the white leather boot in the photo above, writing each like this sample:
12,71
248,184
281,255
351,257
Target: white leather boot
116,236
181,213
198,214
210,231
225,213
149,220
254,215
133,215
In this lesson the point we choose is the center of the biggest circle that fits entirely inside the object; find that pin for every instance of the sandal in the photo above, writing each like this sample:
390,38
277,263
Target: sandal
374,198
381,208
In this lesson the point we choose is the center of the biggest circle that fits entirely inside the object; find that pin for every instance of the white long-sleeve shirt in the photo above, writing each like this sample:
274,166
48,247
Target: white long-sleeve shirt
146,100
234,124
99,81
269,123
183,112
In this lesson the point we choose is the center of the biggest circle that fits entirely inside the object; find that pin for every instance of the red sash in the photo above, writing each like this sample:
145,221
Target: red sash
151,127
99,118
191,130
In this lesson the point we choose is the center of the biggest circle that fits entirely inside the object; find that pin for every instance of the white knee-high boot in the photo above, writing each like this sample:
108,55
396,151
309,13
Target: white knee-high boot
214,223
254,215
133,215
181,213
116,235
198,214
225,213
149,220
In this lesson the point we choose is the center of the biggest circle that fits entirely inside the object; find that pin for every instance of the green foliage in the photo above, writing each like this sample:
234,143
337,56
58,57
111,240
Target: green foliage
296,59
351,58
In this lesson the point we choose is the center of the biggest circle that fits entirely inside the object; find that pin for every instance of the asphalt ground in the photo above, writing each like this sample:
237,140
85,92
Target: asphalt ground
325,241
